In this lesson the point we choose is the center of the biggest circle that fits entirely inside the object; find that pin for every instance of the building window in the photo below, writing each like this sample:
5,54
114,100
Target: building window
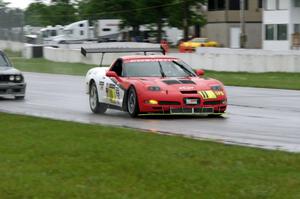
260,3
271,4
297,28
235,4
270,29
276,32
297,3
281,32
277,4
221,5
211,5
216,5
283,4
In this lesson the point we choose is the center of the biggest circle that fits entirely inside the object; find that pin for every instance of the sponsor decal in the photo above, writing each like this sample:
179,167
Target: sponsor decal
149,60
101,84
186,88
191,101
207,94
118,92
111,93
219,93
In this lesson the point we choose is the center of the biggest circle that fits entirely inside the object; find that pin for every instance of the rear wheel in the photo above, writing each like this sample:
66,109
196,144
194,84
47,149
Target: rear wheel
95,105
132,103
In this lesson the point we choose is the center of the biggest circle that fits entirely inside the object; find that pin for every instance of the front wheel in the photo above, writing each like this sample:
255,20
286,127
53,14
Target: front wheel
95,105
132,103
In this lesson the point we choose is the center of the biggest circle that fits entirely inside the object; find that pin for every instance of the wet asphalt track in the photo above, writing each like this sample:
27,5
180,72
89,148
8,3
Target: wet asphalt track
266,118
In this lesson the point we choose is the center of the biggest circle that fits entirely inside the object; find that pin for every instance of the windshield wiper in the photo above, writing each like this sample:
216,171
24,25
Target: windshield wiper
185,69
161,70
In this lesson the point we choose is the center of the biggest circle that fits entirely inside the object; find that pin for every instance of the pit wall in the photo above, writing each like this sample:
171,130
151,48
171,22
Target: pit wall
219,59
11,45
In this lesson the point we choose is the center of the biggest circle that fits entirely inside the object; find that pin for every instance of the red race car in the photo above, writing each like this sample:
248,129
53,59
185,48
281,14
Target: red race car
152,84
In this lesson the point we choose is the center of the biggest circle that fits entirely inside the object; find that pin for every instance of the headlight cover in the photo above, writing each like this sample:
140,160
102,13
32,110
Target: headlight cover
12,78
216,88
18,78
154,88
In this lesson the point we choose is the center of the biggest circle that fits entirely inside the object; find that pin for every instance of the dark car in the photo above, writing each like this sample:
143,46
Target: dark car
12,82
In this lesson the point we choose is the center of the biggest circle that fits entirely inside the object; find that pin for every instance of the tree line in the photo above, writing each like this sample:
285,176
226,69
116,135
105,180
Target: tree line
134,13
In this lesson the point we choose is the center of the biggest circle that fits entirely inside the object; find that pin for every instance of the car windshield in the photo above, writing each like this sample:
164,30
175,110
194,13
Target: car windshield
3,61
157,68
202,40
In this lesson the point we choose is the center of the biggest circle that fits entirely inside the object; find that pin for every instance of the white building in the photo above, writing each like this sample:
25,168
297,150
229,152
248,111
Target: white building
281,24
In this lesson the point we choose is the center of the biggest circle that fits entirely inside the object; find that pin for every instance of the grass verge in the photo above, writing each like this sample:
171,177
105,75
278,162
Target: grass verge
264,80
44,66
43,158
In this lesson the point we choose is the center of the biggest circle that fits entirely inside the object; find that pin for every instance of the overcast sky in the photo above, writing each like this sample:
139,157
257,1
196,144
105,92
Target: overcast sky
20,3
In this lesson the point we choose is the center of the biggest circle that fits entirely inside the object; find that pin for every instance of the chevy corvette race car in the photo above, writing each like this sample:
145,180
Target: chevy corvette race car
152,84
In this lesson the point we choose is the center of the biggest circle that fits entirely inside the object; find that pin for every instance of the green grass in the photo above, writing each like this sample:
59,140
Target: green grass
12,54
45,66
265,80
41,158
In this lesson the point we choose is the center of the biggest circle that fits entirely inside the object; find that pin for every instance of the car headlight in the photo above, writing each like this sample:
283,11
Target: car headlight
12,78
18,78
216,88
154,88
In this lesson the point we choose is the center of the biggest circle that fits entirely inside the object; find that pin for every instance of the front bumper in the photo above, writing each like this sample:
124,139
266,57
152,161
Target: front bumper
12,89
176,104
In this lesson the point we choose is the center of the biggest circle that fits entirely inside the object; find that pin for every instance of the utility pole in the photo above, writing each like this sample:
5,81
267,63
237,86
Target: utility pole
243,36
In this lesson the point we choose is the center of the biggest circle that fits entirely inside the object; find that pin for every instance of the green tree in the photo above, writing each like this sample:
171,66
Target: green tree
156,11
178,13
3,4
62,12
184,14
59,12
36,15
126,10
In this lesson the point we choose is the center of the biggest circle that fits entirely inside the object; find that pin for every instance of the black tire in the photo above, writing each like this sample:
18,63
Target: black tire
132,103
19,97
95,105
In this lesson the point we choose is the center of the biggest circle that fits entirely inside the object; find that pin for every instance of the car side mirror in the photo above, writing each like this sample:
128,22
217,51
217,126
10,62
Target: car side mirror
113,74
200,72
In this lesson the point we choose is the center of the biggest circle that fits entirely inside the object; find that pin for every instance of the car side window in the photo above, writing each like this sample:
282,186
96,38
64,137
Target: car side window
117,67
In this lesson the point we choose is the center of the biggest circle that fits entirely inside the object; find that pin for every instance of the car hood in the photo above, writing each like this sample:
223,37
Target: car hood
9,71
179,84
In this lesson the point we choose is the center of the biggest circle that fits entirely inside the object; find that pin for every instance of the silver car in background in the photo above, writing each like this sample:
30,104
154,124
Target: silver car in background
12,82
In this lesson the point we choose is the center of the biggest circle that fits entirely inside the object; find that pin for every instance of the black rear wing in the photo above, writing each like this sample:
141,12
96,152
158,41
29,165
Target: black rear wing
85,51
